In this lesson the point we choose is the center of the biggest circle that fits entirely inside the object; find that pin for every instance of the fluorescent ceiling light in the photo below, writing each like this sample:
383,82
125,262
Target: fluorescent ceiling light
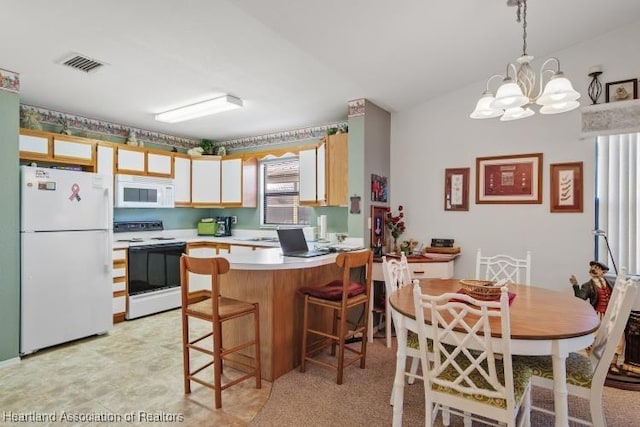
200,109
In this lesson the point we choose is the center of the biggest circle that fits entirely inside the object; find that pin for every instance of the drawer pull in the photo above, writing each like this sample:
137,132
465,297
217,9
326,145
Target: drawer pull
418,272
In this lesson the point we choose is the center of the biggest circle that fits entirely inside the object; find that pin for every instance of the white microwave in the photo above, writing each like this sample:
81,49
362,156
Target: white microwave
133,191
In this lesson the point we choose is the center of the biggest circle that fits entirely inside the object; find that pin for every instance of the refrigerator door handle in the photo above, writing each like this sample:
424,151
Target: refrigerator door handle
109,249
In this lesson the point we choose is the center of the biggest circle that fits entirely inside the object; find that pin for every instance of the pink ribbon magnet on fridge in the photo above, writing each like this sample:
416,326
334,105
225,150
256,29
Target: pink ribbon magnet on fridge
75,192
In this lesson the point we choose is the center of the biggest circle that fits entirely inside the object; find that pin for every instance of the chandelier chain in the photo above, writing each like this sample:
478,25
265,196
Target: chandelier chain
521,16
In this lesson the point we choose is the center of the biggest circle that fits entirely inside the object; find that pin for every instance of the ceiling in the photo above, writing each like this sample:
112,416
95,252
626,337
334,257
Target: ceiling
295,63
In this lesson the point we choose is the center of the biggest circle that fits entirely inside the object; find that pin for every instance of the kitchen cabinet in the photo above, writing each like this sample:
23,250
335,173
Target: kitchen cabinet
105,158
205,181
119,274
337,170
231,182
182,179
308,177
144,161
324,172
159,163
54,148
250,183
130,160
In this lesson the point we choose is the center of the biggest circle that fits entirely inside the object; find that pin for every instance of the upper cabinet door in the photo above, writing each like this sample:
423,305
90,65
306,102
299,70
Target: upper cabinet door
308,175
159,164
105,162
67,149
337,170
34,144
250,183
321,173
131,160
232,182
205,181
182,180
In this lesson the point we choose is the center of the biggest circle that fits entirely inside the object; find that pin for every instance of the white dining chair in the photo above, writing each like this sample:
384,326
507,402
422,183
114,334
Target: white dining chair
586,374
466,376
396,274
496,267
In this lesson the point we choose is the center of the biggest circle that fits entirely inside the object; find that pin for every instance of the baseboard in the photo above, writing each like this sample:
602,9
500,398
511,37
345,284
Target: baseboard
9,362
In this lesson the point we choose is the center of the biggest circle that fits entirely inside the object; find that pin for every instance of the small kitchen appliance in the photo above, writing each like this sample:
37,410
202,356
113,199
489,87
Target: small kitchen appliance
207,227
223,227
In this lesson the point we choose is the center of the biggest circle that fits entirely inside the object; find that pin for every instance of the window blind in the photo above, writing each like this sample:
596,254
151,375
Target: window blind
617,197
281,201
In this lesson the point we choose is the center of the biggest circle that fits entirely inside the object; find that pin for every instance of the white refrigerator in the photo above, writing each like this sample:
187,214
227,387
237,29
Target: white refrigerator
66,256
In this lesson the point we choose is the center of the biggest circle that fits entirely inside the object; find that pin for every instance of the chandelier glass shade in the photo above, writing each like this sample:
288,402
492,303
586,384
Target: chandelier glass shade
516,96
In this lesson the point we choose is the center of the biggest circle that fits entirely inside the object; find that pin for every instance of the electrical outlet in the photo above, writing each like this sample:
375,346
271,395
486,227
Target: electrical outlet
234,219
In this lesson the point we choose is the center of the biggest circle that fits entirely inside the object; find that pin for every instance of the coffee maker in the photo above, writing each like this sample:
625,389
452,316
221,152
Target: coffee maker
223,226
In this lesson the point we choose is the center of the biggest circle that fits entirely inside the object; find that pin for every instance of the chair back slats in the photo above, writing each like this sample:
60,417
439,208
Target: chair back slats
203,266
498,267
464,353
396,273
349,261
322,302
210,306
625,291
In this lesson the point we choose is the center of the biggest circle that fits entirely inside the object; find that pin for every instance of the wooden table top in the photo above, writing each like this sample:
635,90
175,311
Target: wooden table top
536,313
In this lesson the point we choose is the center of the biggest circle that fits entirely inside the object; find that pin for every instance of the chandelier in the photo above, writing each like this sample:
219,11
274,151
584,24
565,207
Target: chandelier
516,95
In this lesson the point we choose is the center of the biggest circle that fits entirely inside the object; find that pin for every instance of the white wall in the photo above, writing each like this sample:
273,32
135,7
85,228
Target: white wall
439,134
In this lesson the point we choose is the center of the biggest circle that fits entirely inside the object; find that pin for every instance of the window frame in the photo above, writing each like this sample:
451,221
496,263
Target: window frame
301,220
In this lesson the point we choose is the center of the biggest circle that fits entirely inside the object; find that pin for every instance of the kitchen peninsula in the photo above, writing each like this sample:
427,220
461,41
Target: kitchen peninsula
259,273
272,280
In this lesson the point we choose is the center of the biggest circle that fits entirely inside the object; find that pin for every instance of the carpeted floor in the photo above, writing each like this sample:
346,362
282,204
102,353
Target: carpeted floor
314,399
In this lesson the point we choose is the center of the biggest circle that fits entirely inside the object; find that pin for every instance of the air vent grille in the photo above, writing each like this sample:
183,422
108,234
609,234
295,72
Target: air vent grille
81,63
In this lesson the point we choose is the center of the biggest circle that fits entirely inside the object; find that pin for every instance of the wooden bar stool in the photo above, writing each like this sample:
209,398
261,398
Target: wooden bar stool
210,306
339,296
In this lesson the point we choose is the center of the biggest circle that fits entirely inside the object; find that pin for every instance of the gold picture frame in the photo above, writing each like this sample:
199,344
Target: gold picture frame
513,179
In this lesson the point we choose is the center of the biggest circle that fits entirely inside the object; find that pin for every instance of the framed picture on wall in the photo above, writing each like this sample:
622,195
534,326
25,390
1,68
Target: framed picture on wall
509,179
622,90
566,187
456,189
378,225
378,188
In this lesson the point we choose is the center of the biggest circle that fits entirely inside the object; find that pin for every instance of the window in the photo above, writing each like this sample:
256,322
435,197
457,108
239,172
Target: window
617,198
280,185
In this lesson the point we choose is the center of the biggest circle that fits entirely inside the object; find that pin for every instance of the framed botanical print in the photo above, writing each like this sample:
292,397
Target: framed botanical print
456,189
566,187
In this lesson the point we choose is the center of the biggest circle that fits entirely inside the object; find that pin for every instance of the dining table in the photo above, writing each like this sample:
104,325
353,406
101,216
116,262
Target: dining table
544,322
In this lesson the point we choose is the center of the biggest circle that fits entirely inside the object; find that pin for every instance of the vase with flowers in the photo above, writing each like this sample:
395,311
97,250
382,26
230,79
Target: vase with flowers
396,226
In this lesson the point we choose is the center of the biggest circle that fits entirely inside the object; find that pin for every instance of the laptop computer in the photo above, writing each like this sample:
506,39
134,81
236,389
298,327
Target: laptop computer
293,244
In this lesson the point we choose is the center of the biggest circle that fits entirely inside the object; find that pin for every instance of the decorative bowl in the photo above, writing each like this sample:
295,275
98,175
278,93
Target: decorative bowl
481,289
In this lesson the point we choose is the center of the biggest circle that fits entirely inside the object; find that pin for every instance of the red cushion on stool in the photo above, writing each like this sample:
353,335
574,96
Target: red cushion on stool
333,290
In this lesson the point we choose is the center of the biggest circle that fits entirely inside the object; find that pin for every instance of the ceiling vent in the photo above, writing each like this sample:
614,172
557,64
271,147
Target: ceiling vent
81,62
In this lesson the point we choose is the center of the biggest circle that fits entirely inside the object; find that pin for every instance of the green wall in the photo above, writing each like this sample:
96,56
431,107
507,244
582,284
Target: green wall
9,227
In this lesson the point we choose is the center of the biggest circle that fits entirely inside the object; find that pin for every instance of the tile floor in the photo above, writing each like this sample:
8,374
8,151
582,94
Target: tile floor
134,374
